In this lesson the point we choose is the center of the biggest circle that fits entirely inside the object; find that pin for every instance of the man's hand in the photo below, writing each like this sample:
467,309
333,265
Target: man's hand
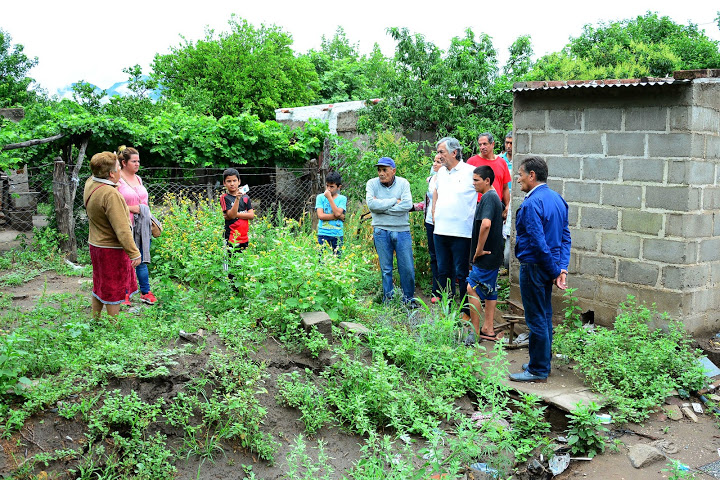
480,254
135,262
561,281
505,214
327,194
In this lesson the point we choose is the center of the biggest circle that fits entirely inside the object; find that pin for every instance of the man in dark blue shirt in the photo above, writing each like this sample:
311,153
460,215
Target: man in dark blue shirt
543,248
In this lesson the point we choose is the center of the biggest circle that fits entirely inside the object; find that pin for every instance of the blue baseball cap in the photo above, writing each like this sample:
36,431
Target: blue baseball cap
385,162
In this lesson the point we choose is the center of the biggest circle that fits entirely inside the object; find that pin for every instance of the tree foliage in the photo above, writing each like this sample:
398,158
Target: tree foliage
14,68
246,70
459,92
171,138
648,45
344,74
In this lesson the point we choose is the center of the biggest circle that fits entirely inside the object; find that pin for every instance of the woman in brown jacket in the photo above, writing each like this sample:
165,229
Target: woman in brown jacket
113,253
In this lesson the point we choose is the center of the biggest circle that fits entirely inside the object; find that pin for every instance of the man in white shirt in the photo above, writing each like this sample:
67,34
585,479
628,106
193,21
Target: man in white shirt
454,204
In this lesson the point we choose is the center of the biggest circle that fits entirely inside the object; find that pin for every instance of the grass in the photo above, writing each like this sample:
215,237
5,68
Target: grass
403,379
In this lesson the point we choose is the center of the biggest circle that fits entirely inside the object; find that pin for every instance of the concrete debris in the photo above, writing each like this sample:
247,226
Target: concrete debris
697,408
673,412
690,414
642,455
665,446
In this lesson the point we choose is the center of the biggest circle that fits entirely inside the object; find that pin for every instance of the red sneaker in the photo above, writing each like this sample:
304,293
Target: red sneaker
148,298
127,300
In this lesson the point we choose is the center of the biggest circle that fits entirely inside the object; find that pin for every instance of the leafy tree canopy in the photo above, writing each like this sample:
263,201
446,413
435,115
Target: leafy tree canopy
344,74
648,45
14,68
246,70
459,92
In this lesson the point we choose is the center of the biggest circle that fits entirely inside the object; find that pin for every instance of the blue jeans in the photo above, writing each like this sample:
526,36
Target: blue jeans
453,259
536,292
429,229
334,242
143,276
387,242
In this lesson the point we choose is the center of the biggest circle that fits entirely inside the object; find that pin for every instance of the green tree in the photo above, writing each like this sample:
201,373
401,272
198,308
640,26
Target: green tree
14,68
344,74
246,70
648,45
447,93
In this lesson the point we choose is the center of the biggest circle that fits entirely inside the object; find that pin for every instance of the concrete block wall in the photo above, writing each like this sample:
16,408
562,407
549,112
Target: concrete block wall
640,169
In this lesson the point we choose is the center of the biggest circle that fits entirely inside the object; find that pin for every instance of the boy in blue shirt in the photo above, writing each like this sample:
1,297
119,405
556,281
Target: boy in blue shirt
330,207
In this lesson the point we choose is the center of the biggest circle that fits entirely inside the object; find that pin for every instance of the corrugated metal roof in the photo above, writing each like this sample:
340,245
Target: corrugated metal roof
628,82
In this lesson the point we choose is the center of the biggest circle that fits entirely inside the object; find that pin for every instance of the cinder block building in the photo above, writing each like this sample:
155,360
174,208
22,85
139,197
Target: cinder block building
638,163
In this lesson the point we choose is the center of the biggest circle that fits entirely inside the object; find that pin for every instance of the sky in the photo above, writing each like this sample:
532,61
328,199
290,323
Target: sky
93,41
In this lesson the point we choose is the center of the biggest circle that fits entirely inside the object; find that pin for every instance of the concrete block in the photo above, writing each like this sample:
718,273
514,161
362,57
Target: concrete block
709,250
356,328
707,94
319,320
705,120
646,119
638,221
691,172
625,144
614,293
601,218
564,120
584,284
620,195
529,120
620,245
588,264
669,251
681,198
582,192
670,145
573,215
547,143
643,169
638,272
521,143
712,148
585,144
716,223
711,198
556,185
680,119
588,240
600,168
689,225
715,275
684,277
705,300
565,167
603,119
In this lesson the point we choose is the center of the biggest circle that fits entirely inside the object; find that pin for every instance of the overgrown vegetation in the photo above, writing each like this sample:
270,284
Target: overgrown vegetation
634,364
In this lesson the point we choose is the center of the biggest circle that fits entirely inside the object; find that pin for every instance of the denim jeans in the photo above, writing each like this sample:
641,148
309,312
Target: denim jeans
335,243
429,229
143,276
387,242
536,292
453,259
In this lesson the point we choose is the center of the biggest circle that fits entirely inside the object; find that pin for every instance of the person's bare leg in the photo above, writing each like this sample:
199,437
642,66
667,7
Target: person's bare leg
488,327
475,308
97,306
113,310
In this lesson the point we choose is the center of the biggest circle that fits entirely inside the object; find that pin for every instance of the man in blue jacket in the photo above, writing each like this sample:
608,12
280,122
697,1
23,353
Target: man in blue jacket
543,249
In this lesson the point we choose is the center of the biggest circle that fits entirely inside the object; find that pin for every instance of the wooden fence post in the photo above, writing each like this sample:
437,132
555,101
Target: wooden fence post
64,210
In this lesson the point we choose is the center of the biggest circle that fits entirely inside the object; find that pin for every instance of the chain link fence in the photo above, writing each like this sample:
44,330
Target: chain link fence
28,192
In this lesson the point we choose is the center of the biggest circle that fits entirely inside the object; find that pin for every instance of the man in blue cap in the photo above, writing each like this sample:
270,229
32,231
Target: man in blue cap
389,200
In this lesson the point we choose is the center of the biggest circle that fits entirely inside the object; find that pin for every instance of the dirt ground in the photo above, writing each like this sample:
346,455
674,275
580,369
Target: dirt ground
694,444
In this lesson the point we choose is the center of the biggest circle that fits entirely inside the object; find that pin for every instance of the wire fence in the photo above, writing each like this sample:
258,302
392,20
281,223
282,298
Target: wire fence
28,192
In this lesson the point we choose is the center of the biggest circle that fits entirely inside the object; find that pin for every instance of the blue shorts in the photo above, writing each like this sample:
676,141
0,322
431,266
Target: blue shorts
484,282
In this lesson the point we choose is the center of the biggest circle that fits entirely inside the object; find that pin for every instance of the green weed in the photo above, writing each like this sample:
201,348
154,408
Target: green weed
584,431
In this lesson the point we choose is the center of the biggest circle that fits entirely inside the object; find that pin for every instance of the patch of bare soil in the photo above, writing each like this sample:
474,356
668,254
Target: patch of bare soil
693,444
26,296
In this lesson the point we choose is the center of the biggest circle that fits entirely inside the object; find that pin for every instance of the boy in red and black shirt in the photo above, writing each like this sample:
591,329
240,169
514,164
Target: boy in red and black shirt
237,212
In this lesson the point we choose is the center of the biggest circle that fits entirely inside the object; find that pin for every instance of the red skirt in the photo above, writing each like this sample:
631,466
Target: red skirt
113,275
